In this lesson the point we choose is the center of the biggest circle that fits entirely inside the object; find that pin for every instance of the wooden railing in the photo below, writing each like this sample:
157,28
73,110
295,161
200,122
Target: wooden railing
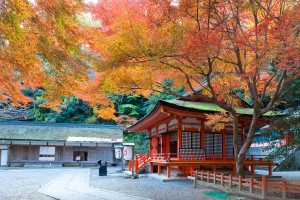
199,157
140,160
249,186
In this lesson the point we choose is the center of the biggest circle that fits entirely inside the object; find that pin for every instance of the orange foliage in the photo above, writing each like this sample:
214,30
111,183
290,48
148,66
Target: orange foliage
242,45
248,45
218,121
42,46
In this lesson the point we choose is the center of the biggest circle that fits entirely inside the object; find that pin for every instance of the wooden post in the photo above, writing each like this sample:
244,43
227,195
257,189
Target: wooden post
264,186
136,165
270,169
251,185
283,189
168,144
168,171
222,179
151,167
234,170
252,169
240,182
202,173
196,178
179,135
158,169
191,170
215,177
202,134
208,176
224,144
129,165
230,180
214,168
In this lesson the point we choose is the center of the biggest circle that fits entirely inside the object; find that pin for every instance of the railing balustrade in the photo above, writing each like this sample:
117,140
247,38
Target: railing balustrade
197,157
249,186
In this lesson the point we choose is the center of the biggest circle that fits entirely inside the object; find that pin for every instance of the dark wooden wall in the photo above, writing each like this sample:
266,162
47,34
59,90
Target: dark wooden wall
21,152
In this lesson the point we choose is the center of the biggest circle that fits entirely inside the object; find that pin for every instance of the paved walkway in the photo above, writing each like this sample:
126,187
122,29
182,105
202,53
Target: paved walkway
74,184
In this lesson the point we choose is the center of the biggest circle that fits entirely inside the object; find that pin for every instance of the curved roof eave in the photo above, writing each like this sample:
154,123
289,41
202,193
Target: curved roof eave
188,106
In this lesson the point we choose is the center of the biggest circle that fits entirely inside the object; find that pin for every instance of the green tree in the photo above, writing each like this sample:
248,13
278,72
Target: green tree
287,125
74,110
167,93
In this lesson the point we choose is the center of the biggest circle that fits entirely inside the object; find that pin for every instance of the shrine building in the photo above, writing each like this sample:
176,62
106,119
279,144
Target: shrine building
180,140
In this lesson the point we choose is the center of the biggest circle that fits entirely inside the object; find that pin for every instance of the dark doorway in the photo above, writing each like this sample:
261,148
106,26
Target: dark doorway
83,155
173,147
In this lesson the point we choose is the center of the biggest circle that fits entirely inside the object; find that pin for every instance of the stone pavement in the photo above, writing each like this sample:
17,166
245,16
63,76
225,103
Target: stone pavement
74,184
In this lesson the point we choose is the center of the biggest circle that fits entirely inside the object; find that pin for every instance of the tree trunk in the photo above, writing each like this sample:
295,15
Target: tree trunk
240,153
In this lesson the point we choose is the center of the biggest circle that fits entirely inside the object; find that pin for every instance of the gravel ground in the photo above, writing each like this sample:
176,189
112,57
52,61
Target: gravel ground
149,187
23,183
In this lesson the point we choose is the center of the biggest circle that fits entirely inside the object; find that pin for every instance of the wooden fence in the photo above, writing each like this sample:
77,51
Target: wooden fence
250,185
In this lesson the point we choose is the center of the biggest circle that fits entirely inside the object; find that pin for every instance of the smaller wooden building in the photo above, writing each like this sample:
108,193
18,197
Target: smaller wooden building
49,144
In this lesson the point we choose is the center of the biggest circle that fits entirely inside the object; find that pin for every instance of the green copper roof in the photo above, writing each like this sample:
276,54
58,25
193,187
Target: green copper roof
213,107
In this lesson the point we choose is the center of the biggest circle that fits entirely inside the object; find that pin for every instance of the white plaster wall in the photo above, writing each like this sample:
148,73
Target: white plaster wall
173,121
162,128
47,151
191,123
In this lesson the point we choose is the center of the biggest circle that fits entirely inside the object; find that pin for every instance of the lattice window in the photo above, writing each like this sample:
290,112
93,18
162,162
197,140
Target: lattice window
229,144
218,145
213,143
195,140
209,143
186,140
191,140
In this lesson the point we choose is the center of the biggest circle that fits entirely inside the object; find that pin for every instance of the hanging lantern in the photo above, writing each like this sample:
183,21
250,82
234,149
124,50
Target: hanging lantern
127,152
118,153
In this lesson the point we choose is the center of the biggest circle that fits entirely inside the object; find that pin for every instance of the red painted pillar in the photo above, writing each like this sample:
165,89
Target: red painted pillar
264,186
270,169
251,185
179,135
283,189
214,168
167,143
151,167
136,165
252,169
234,170
129,165
169,171
224,145
191,170
158,169
202,134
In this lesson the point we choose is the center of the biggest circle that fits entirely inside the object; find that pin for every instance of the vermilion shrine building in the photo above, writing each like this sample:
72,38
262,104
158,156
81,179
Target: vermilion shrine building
179,138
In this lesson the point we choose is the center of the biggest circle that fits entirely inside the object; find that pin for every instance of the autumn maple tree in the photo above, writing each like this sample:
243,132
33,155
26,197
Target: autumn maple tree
223,46
42,44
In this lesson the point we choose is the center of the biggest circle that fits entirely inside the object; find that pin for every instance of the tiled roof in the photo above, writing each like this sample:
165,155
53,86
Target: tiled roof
57,131
205,106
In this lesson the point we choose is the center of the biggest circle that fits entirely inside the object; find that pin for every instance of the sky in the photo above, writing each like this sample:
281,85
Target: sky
88,1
